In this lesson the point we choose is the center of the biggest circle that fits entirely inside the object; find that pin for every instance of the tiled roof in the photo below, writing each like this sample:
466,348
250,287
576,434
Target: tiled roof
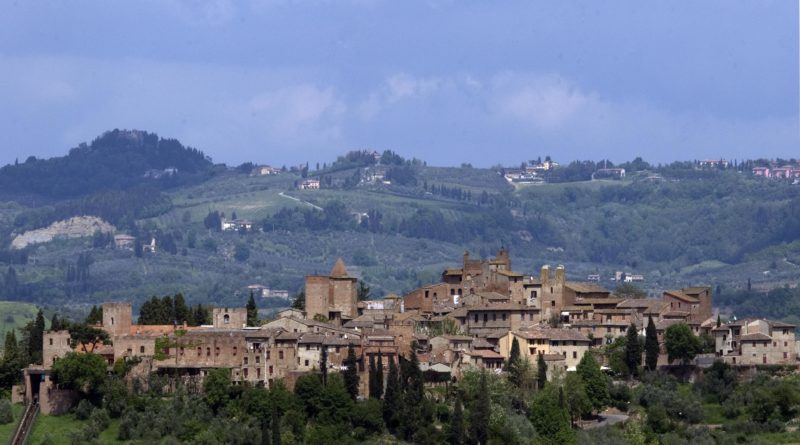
599,301
681,296
509,273
552,334
585,288
755,337
339,270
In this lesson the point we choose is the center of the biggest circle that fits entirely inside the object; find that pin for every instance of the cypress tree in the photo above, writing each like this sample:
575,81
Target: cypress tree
633,351
379,377
373,392
479,419
350,374
36,339
323,364
515,364
391,397
541,372
651,345
181,311
719,321
276,426
455,435
55,323
252,311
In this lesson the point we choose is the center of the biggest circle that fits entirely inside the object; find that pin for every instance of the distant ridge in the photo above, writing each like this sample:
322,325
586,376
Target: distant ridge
116,160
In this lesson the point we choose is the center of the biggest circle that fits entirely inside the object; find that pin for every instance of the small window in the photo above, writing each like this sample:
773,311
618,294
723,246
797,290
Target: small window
141,349
574,354
226,319
246,360
234,350
306,362
270,369
280,355
268,354
112,321
258,359
258,373
208,352
51,342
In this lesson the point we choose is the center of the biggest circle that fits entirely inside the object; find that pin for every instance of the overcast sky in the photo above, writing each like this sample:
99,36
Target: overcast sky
285,82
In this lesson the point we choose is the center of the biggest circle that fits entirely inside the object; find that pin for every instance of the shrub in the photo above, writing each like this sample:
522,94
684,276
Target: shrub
6,415
83,410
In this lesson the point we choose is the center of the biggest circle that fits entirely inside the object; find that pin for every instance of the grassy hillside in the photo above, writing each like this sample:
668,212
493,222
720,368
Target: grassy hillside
714,228
58,429
15,315
8,429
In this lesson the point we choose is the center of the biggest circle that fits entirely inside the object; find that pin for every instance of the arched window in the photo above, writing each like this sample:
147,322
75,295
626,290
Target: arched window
112,321
226,319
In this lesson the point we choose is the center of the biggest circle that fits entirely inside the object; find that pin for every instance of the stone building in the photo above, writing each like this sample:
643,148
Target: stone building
332,297
749,342
538,340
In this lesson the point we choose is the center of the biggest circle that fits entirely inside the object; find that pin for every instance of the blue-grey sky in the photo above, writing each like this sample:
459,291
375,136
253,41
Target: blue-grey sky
285,81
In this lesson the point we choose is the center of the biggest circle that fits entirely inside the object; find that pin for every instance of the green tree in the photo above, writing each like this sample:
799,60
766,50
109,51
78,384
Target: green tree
323,364
95,316
299,301
87,337
480,413
6,414
633,351
252,311
350,374
216,388
455,433
276,426
575,397
681,344
363,291
181,310
56,324
541,372
550,418
241,252
391,397
84,372
379,377
308,389
651,347
36,338
629,290
594,379
371,376
515,364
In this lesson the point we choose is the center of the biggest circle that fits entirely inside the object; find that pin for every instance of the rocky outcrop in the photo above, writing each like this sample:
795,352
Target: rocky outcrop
75,227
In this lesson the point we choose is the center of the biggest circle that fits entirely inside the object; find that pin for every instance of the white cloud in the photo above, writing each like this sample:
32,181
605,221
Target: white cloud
294,109
546,102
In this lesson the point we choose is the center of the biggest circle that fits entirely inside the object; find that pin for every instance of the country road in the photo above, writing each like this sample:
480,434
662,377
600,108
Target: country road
300,201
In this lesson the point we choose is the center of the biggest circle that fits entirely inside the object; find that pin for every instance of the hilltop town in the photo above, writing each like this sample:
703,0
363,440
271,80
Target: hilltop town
473,319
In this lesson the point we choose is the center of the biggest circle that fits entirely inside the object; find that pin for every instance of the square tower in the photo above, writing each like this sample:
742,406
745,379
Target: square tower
117,318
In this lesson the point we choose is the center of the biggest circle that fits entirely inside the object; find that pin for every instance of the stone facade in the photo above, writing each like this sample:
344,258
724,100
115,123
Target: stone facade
332,297
229,318
751,342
